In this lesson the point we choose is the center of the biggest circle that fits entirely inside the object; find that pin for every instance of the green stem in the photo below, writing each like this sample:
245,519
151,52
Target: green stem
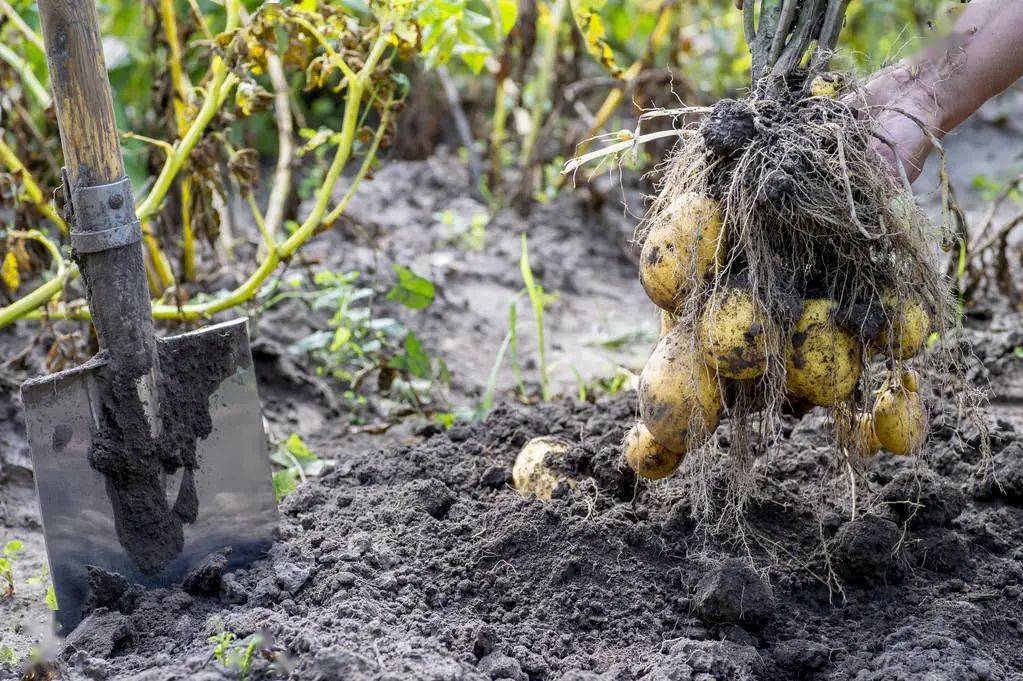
543,80
223,81
31,188
44,293
24,71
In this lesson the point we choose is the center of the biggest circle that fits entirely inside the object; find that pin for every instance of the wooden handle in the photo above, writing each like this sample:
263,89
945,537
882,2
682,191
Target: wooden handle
115,278
78,76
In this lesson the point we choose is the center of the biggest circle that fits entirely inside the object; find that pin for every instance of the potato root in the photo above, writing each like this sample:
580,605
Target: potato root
679,397
899,417
646,456
680,251
531,474
822,361
733,335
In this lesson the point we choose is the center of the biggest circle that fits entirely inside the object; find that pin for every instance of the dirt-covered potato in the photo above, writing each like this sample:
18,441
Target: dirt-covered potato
822,361
645,455
668,322
531,475
909,326
856,432
899,417
681,249
679,396
732,334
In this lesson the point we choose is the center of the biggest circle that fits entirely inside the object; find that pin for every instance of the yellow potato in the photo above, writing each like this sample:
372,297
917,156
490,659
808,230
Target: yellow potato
681,250
899,419
668,322
645,455
822,360
733,337
857,433
531,475
824,85
910,325
679,399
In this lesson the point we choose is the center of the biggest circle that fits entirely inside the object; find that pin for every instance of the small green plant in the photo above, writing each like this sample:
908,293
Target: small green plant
297,463
11,552
359,342
43,579
6,655
234,654
539,300
467,232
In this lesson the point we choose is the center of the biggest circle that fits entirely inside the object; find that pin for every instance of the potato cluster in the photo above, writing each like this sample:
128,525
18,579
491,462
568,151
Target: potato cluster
682,386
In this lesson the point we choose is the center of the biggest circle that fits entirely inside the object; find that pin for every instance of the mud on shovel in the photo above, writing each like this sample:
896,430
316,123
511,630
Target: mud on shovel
152,455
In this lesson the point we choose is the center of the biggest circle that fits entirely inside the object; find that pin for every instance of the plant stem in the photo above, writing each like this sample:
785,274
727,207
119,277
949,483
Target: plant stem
281,184
497,135
282,251
19,23
31,189
542,82
28,78
536,299
45,292
180,87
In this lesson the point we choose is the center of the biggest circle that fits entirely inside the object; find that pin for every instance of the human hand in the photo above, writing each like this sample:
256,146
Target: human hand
892,95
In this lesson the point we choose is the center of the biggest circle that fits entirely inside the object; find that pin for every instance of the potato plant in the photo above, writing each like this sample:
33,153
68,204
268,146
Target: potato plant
271,57
792,268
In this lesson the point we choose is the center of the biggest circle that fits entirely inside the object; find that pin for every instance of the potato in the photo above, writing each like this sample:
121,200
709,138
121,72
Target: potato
822,360
668,322
825,85
679,398
899,417
910,325
645,455
531,475
856,432
681,250
732,334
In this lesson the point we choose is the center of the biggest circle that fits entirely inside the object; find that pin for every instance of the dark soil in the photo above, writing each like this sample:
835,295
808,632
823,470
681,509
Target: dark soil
420,562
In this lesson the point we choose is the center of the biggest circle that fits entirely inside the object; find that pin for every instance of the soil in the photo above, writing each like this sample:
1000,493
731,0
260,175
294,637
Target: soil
412,558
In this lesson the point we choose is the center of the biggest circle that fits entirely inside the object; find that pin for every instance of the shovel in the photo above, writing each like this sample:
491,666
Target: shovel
151,456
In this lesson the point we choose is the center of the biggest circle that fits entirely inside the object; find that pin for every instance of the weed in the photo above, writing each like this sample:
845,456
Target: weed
10,555
539,300
234,654
357,343
297,463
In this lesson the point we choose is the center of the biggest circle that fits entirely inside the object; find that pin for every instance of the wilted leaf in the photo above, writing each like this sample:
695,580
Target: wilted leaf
9,272
587,18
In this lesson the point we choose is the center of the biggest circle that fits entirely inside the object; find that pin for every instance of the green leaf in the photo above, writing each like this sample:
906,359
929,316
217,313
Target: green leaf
1018,352
412,290
285,483
414,361
13,547
51,598
341,337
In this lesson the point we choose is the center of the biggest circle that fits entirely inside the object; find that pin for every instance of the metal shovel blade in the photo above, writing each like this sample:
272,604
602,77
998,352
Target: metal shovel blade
232,483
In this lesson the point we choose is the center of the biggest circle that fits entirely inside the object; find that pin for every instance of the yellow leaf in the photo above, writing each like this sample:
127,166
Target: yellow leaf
591,26
9,272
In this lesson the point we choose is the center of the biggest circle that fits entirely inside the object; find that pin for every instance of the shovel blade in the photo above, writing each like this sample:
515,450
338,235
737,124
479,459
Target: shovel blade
236,505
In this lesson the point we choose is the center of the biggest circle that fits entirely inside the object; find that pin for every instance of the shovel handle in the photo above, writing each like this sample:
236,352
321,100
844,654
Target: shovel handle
107,248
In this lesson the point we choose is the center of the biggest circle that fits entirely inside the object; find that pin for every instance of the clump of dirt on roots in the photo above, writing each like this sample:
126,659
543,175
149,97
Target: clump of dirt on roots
810,210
